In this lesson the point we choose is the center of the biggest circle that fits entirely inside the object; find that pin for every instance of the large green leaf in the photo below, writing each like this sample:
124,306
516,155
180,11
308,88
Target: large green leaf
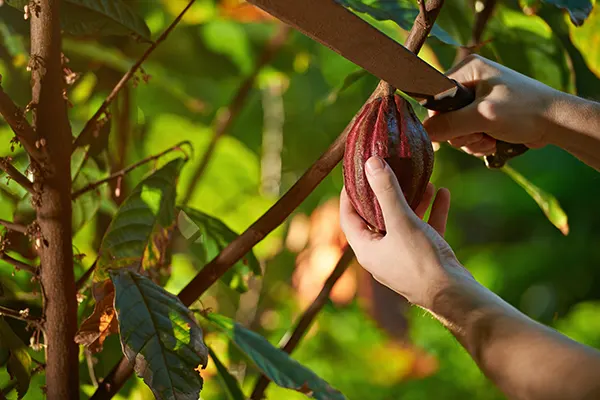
230,384
97,17
402,12
160,335
548,203
276,364
207,237
148,212
19,360
578,10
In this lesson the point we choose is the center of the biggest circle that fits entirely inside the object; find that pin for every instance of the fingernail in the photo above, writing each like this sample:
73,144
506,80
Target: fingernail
374,164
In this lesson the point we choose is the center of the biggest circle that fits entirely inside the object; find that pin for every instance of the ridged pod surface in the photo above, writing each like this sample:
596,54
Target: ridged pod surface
389,128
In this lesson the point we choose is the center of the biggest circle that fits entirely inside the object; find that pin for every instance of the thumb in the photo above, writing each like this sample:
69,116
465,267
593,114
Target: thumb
451,125
384,184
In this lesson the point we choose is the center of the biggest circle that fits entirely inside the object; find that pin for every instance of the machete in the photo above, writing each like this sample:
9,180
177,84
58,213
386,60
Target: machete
366,46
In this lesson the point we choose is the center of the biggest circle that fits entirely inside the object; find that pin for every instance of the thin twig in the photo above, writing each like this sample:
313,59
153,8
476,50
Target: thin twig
128,169
22,315
423,25
481,20
291,339
19,265
274,217
15,118
91,124
89,358
225,119
13,226
15,174
83,279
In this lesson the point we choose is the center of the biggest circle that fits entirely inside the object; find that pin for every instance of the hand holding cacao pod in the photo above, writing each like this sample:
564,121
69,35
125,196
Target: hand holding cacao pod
389,128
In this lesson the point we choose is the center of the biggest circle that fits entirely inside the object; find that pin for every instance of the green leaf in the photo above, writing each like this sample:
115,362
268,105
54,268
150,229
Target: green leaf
113,58
207,237
546,201
148,211
19,360
332,97
97,17
160,335
578,10
402,12
228,381
276,364
229,39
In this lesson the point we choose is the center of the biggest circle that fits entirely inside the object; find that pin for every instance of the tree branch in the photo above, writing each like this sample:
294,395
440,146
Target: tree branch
19,265
274,217
90,126
291,340
13,226
128,169
54,211
15,174
86,275
15,118
22,315
482,18
225,119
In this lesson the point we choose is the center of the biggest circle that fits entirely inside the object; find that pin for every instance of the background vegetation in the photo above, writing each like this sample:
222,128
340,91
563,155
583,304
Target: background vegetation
298,104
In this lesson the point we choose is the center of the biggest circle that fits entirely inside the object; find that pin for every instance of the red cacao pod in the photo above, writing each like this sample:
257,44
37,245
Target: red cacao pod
389,128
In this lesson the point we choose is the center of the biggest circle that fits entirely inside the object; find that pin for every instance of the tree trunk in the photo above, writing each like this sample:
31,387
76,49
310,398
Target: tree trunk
53,202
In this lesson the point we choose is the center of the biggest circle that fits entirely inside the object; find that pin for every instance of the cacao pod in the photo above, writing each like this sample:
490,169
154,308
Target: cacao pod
389,128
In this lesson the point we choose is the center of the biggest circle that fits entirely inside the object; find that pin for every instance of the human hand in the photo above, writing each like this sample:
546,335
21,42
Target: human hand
508,106
412,258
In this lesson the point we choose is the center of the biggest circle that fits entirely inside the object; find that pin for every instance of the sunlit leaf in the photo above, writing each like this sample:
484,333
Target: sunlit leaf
19,360
402,12
349,80
97,17
160,335
578,10
229,39
149,209
228,381
276,364
546,201
207,237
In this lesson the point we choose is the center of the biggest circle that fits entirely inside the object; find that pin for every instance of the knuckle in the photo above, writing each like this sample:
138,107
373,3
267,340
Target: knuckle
488,110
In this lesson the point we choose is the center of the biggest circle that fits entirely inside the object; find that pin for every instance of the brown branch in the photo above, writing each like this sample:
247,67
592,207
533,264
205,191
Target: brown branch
19,265
291,340
20,315
423,11
481,20
15,118
13,226
90,126
15,174
225,119
274,217
54,211
128,169
423,25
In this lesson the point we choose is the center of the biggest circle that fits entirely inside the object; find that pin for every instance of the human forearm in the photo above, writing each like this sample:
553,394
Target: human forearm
523,358
573,124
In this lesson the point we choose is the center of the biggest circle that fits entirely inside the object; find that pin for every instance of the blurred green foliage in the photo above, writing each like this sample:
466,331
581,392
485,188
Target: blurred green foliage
495,227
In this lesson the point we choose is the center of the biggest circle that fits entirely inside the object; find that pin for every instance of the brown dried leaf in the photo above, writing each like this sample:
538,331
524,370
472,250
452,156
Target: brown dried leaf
103,321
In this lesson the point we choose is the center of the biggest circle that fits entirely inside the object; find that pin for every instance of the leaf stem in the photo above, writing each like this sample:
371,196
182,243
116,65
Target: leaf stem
291,339
19,265
22,315
13,226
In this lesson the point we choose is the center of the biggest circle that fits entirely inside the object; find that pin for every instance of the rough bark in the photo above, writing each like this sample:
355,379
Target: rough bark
53,180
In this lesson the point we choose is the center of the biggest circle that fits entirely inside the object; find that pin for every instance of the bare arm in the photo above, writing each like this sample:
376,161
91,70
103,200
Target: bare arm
526,360
515,108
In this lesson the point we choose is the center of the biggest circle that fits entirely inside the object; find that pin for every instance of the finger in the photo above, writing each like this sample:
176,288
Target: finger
426,201
483,147
385,185
353,226
466,140
452,125
439,211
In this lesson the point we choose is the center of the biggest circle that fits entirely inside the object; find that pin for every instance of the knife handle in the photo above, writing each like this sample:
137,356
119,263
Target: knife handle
460,97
